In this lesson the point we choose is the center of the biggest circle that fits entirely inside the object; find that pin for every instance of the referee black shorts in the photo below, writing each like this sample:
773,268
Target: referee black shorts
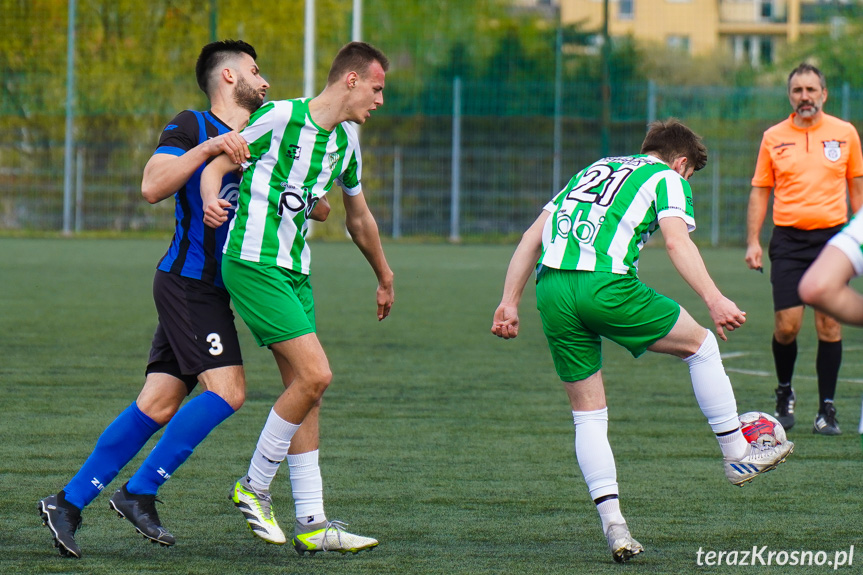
791,253
196,328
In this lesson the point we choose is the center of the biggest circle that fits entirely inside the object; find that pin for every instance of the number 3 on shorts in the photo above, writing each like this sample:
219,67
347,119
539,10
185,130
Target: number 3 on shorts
215,344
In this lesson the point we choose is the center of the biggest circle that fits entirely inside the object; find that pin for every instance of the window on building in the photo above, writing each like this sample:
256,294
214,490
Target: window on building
766,9
676,42
626,9
766,51
754,50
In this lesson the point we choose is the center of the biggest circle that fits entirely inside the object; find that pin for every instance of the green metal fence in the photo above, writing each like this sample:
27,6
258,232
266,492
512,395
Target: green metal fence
506,162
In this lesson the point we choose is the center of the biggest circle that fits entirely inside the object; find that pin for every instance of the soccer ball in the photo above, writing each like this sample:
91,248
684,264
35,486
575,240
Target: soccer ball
763,429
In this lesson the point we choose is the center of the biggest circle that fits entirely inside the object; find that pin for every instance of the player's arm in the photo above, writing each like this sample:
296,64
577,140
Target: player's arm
164,174
215,209
855,194
521,266
321,210
755,214
364,232
687,261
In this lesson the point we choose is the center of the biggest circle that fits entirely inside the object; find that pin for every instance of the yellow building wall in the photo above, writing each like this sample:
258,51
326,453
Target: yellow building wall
704,22
652,20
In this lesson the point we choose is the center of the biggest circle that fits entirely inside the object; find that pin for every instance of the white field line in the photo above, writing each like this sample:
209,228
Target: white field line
758,373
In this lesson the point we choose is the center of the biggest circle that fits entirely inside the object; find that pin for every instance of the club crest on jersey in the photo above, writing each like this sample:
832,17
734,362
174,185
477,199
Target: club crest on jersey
334,160
832,151
294,151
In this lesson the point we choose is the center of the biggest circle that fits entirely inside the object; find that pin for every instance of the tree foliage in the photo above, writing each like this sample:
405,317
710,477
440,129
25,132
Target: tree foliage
834,49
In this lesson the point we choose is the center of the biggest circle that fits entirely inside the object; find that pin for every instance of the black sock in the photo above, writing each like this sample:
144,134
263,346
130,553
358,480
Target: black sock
784,357
827,363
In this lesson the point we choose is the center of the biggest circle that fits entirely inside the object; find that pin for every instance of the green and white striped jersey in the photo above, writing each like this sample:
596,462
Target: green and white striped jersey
293,163
605,214
850,242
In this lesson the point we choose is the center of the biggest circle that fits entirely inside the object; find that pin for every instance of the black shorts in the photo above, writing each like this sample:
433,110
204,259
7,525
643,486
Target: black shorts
791,253
196,328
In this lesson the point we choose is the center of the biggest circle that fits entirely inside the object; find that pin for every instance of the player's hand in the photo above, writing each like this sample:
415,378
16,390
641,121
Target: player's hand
216,213
726,316
232,144
753,257
321,210
386,297
505,323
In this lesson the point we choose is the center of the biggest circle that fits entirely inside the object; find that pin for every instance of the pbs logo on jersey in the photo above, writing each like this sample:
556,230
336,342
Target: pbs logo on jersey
762,429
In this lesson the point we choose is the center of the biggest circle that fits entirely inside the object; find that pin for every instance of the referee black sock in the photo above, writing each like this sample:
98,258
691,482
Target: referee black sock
784,358
827,363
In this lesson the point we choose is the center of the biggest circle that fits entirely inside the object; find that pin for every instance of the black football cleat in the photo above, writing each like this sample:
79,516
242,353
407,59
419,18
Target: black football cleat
785,401
140,510
62,519
825,421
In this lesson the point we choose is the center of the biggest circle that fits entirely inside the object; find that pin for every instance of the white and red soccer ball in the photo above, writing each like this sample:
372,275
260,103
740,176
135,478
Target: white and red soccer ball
761,428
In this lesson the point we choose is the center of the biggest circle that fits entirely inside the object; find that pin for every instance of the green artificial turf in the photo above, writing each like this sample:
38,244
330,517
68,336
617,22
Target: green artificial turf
453,448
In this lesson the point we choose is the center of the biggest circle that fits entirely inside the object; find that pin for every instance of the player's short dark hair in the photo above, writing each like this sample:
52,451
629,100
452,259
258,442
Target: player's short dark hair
671,139
806,68
214,54
356,57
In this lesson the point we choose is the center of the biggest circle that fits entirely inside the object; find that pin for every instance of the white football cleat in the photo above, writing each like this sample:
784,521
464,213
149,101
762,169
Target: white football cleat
623,547
257,508
757,460
329,536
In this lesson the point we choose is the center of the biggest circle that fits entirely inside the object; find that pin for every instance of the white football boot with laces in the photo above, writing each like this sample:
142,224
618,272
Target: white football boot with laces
329,536
756,460
257,508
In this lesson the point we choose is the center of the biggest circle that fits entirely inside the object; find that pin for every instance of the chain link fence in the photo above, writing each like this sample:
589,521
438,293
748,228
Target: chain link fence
504,167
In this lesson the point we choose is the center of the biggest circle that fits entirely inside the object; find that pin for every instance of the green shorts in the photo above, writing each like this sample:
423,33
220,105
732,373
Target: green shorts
579,307
276,303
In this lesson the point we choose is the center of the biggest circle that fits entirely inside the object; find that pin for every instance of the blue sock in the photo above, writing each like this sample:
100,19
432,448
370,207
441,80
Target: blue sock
116,447
186,430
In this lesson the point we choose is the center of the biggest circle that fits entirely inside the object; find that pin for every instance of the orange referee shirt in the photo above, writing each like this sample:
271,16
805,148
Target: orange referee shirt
809,170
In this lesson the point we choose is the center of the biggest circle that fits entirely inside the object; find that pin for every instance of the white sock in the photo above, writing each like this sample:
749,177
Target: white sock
307,487
609,513
715,396
733,445
593,452
272,448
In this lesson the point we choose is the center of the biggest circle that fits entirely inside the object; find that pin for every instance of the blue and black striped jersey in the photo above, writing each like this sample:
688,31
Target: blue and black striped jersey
196,250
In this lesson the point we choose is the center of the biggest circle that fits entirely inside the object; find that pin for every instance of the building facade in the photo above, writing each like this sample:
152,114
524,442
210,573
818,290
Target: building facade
750,30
